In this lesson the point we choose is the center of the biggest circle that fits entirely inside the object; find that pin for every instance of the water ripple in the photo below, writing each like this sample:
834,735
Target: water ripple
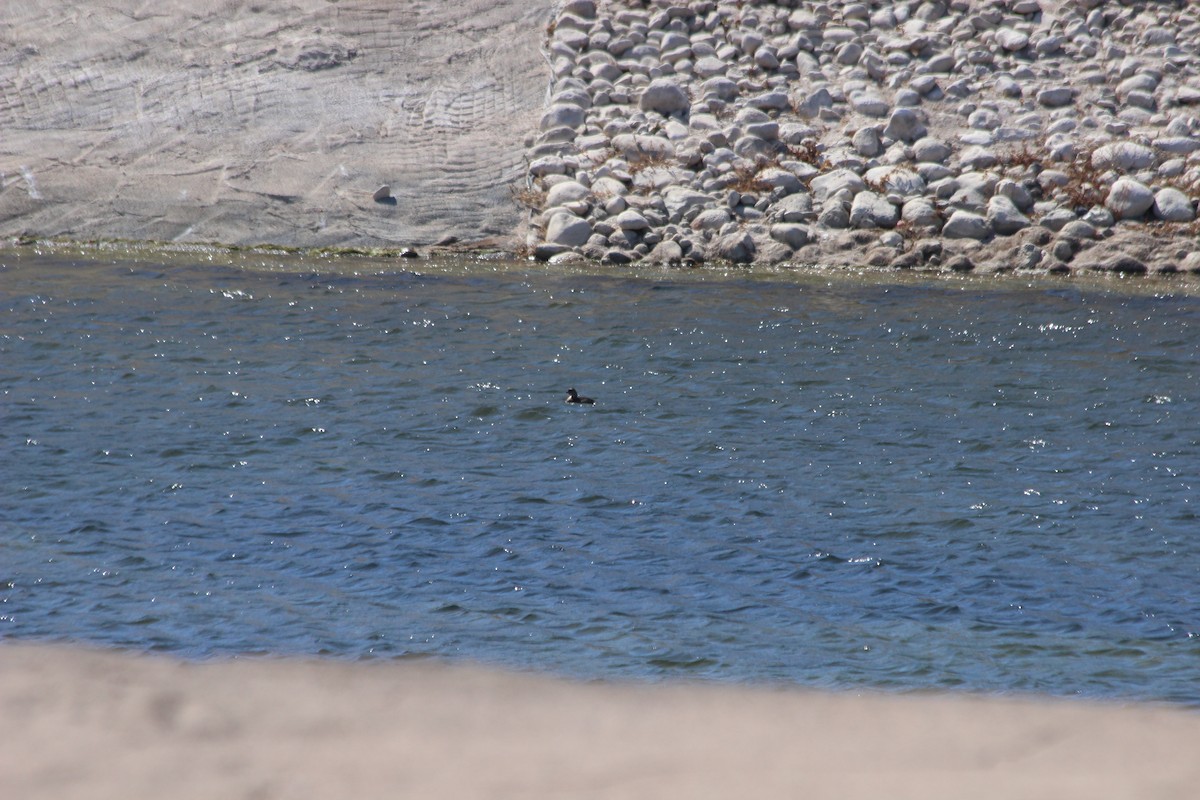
959,484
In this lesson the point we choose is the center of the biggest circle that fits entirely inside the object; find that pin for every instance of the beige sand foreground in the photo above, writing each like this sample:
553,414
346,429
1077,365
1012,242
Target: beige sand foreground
82,724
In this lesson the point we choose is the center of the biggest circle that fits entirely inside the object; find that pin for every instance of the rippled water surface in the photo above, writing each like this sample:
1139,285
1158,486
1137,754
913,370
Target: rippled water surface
834,481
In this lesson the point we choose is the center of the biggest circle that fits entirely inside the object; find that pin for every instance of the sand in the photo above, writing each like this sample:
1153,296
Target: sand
245,122
87,724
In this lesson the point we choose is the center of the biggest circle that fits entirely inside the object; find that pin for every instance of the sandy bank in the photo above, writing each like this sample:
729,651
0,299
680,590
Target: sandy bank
247,122
83,724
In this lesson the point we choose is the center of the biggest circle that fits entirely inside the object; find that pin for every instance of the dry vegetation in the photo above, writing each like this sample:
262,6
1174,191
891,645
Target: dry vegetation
1021,156
808,152
529,197
1086,186
746,180
643,160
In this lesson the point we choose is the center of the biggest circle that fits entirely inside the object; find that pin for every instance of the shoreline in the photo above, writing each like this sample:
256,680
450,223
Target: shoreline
946,135
100,724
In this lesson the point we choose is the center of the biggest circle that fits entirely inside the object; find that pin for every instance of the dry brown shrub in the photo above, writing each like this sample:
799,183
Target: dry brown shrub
1085,183
807,152
528,196
746,180
642,160
877,186
908,231
1022,155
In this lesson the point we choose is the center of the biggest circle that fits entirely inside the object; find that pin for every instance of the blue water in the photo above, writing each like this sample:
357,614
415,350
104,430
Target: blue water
829,479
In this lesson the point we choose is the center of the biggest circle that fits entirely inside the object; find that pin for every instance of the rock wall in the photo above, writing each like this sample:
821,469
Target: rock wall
250,121
958,134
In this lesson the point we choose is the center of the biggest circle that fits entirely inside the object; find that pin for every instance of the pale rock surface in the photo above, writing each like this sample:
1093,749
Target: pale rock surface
664,96
1129,199
870,210
1172,205
966,225
565,229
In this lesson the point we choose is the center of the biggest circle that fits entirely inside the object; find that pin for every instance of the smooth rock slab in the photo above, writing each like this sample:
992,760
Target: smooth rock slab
636,146
720,88
920,213
547,165
813,102
770,101
580,8
1179,145
866,142
1078,230
711,219
666,252
780,179
680,200
709,66
793,208
1056,219
1016,192
1011,40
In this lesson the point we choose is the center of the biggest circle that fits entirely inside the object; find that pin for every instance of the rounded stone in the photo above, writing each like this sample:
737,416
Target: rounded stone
794,236
904,125
871,210
630,220
920,213
966,225
566,192
1056,96
737,247
563,115
869,103
568,230
1011,40
664,96
830,183
866,142
930,149
1004,216
1125,156
1172,205
1129,199
666,252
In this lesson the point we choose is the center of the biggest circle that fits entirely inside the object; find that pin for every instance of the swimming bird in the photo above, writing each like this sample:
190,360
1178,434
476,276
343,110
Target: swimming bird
573,397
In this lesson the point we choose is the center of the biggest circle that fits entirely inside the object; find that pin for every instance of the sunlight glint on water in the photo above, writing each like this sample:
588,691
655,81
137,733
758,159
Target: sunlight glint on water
834,481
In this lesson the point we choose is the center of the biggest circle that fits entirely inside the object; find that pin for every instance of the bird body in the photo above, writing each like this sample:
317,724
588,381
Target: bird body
574,397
